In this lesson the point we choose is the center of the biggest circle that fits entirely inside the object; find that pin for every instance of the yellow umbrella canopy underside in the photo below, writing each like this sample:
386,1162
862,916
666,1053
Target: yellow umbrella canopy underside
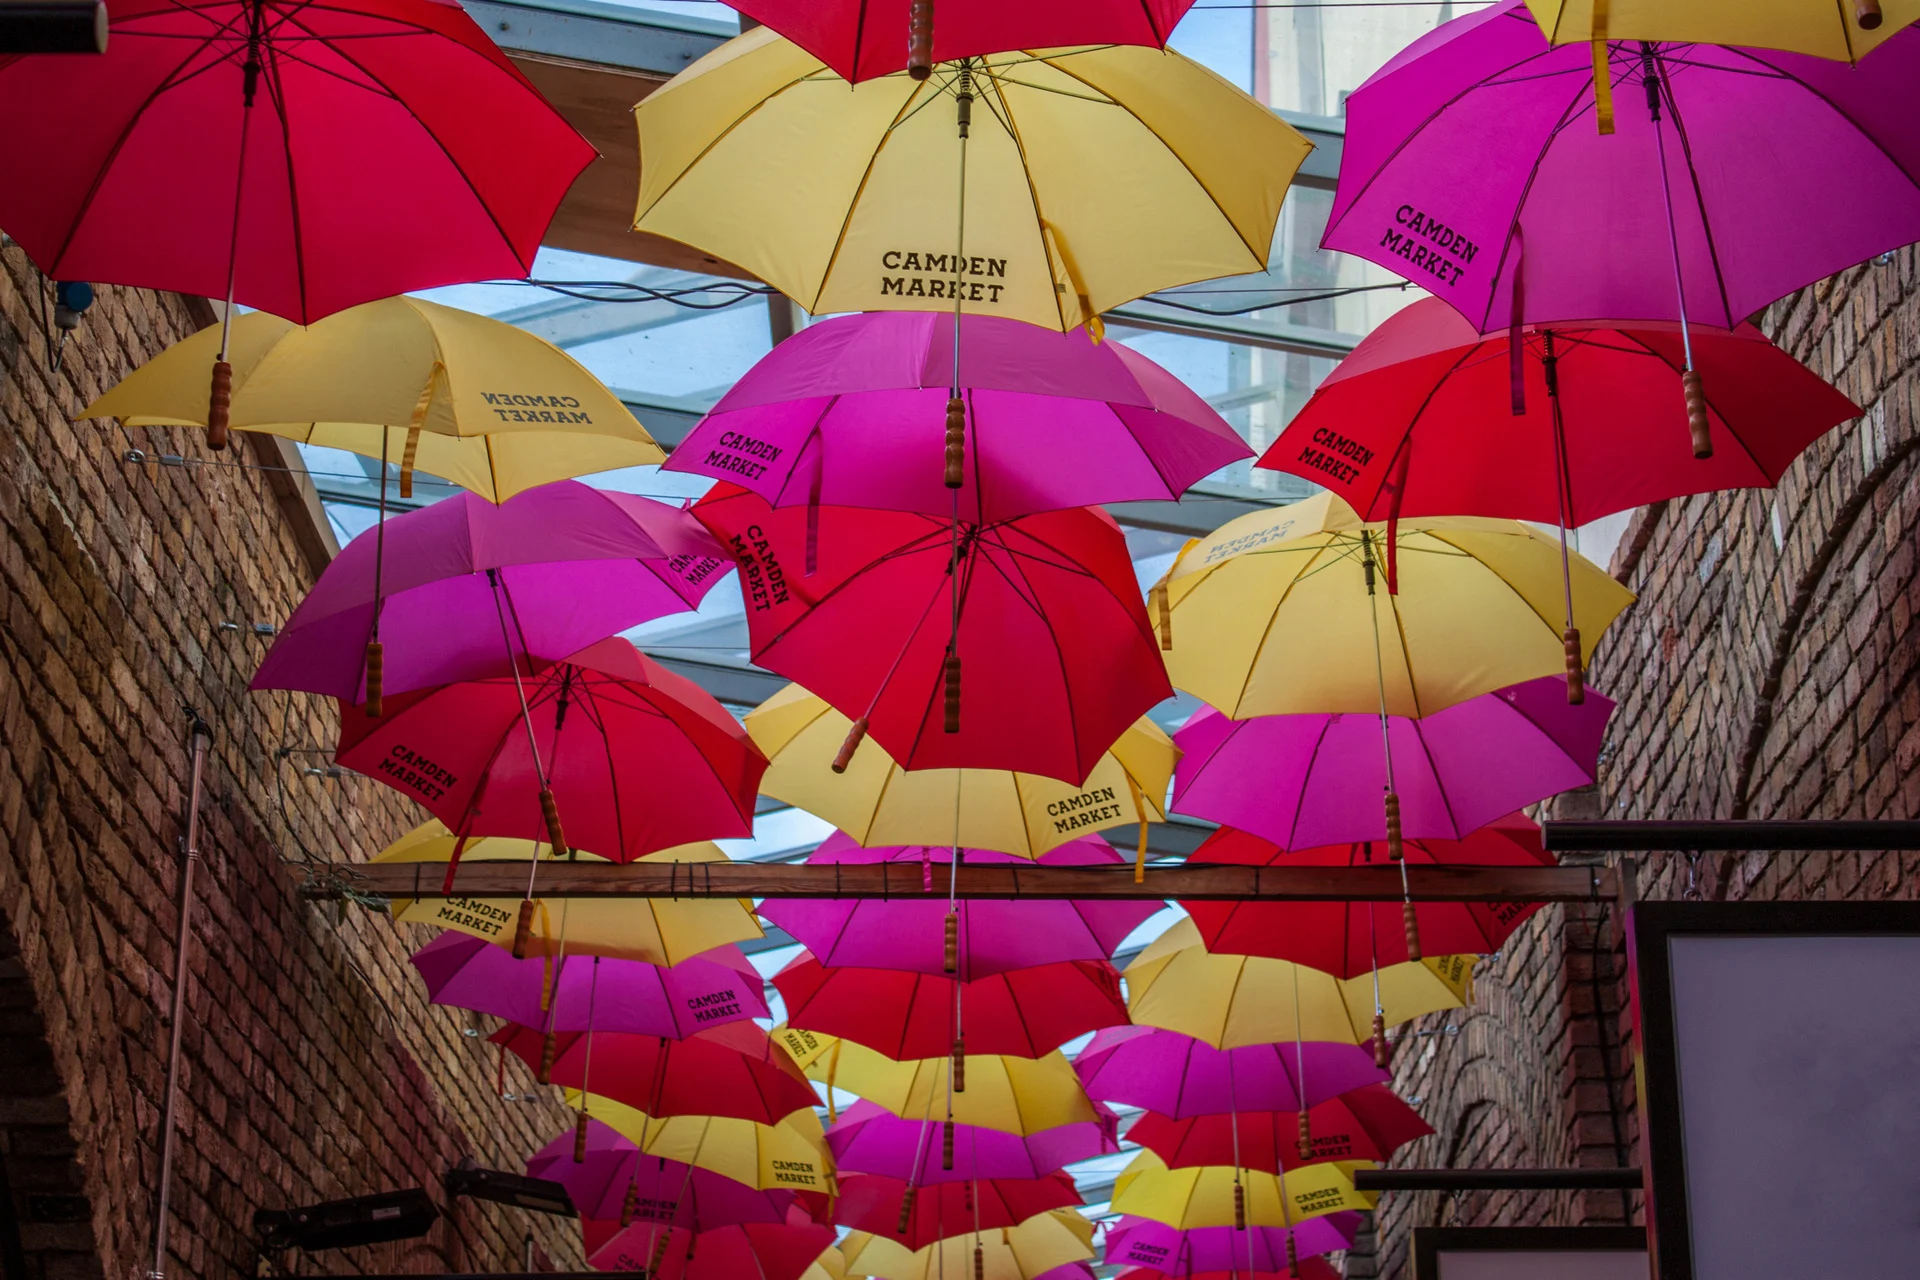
470,399
1823,28
1031,1248
1231,1001
792,1154
1271,613
1203,1196
1094,176
653,930
880,804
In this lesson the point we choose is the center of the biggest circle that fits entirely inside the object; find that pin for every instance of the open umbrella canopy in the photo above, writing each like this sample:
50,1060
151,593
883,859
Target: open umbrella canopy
861,39
994,937
1045,618
877,802
1229,1001
1843,31
617,1181
1023,1013
661,931
870,1202
775,1251
579,992
1152,172
1369,1123
791,1155
1275,613
484,404
1014,1095
1180,1076
1420,419
1348,938
1142,1242
1024,1252
1305,1269
1204,1197
1307,780
307,154
647,759
1054,420
867,1138
731,1070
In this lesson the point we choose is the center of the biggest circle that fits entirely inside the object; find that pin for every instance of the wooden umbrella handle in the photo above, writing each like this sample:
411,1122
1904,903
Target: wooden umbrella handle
950,721
906,1209
219,405
979,1261
549,1047
1306,1134
959,1064
1293,1258
1239,1207
1576,676
1395,847
523,929
550,811
856,734
1412,923
1697,414
631,1203
920,39
1381,1053
1867,14
956,442
376,677
659,1253
946,1146
580,1140
952,956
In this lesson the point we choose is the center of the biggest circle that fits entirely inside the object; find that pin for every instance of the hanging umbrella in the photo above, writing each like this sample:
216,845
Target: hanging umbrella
1351,939
1180,1076
1368,1123
1022,1013
1502,174
1847,31
709,990
791,1155
1304,1269
866,39
1142,1242
876,802
618,1183
776,1251
1024,1252
993,937
1207,1197
830,1265
867,1138
1307,780
871,1203
731,1070
651,930
1057,421
1044,616
293,156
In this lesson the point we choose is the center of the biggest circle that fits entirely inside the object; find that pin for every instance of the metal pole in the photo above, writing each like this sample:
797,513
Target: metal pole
202,738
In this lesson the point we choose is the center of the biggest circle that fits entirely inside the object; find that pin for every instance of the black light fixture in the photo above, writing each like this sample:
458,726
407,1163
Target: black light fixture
538,1194
341,1224
53,26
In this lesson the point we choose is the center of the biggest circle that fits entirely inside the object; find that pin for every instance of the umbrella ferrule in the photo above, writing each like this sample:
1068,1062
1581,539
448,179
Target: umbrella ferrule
1650,79
963,99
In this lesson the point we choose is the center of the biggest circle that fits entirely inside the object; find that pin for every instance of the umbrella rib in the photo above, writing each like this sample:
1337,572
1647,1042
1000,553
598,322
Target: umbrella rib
1433,767
1033,198
276,90
859,190
1406,652
590,702
1300,801
1060,657
1641,347
1700,205
1426,402
1567,116
1266,632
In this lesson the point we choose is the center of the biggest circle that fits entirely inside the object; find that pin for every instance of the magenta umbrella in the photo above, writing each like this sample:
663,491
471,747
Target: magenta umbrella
849,412
464,587
1181,1077
867,1138
1302,781
994,936
1141,1242
1475,163
616,1182
592,992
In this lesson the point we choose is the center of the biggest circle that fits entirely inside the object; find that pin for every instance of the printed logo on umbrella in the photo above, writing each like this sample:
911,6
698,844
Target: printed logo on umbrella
415,772
931,275
1445,253
715,1005
762,579
471,915
1095,807
513,406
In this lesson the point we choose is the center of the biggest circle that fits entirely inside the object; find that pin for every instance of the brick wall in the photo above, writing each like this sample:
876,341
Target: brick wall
314,1068
1767,671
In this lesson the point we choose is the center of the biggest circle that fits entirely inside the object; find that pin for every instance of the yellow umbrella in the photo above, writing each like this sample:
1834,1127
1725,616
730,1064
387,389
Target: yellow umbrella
1041,1243
1205,1197
830,1265
1845,30
483,404
878,803
654,930
1230,1001
1013,1095
1088,177
792,1154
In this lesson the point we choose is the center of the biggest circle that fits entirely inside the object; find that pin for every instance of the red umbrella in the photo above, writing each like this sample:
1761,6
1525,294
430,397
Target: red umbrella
861,39
733,1070
750,1251
299,156
1351,938
871,1202
1362,1124
1024,1013
1044,617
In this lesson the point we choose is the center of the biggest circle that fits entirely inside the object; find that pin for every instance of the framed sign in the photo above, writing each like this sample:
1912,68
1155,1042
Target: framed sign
1777,1050
1529,1253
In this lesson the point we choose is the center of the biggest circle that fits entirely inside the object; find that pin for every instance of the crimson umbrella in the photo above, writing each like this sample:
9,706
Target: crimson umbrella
1043,615
1311,1268
616,1183
1179,1076
1261,1248
871,1202
1369,1123
1346,938
861,39
298,156
1024,1013
749,1251
867,1138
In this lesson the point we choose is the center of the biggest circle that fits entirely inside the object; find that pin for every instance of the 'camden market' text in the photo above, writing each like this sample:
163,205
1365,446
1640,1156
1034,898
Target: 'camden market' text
1444,239
933,276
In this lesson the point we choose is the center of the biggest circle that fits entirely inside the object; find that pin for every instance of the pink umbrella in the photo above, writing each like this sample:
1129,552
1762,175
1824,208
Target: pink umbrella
1142,1242
868,1138
466,588
1302,781
1179,1076
707,990
994,937
616,1182
848,413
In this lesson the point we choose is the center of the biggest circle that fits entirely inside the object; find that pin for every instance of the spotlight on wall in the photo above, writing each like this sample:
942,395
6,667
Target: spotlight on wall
538,1194
341,1224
